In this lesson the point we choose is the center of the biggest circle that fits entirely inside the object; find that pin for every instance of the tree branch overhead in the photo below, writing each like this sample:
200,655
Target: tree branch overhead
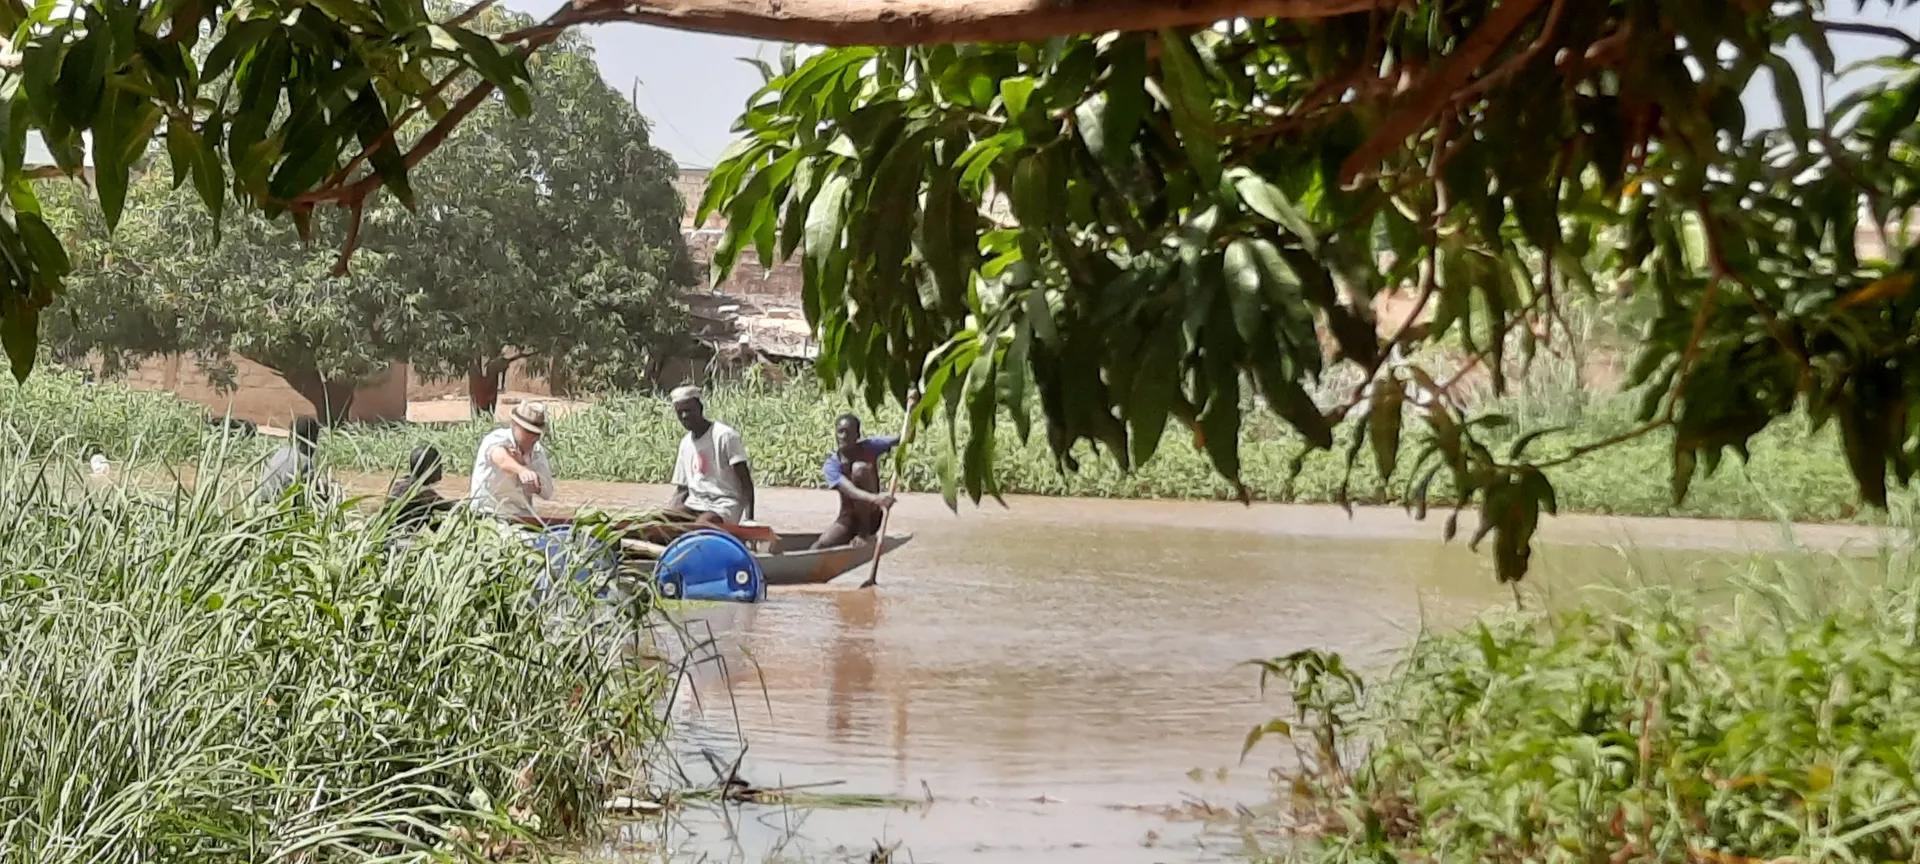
909,22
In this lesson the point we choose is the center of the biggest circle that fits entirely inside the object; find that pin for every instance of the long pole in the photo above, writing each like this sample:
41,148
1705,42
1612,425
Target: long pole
880,539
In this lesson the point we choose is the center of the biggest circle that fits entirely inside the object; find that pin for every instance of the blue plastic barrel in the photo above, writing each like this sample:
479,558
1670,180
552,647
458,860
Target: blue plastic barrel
579,557
710,565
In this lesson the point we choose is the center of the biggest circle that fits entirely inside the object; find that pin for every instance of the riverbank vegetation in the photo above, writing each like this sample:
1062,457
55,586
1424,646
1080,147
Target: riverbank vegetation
1793,474
1770,720
180,681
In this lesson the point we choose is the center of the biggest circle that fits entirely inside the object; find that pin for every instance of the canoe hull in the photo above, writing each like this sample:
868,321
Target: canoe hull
792,563
658,532
784,558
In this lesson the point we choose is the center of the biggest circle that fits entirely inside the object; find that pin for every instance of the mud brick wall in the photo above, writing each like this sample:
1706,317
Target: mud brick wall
261,396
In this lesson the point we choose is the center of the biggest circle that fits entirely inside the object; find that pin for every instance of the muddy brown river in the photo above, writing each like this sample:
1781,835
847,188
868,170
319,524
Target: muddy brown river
1047,679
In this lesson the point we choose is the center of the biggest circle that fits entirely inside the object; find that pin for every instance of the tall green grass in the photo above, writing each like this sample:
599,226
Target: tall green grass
184,681
1773,720
57,408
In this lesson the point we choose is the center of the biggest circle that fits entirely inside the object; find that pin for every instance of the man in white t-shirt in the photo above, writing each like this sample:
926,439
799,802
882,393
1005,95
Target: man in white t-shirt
711,478
511,467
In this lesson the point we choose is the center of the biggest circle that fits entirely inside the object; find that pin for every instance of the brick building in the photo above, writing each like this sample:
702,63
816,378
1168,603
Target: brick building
757,307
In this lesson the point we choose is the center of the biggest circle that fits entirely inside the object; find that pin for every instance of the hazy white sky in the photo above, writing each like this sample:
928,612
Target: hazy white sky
692,86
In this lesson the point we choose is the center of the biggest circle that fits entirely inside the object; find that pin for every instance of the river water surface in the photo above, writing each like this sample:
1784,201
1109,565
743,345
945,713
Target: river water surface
1048,678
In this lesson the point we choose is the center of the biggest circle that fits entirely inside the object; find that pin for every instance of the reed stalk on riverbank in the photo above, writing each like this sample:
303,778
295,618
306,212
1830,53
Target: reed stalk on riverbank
183,682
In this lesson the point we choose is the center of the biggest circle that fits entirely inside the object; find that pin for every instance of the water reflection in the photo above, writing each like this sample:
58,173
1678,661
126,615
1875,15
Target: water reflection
857,613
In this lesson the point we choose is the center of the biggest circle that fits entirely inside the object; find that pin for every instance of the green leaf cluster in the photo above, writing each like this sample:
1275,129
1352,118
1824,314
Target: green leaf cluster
1132,227
553,237
273,105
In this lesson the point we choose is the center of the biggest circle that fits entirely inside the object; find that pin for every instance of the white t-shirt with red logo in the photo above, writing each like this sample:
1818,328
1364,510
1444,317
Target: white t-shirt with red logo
705,468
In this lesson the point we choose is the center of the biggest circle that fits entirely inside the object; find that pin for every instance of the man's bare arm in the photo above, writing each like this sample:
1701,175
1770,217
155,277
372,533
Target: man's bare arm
745,473
545,473
848,489
528,478
502,458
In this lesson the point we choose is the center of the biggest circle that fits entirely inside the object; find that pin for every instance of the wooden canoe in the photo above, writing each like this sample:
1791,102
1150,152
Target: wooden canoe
784,557
659,532
791,563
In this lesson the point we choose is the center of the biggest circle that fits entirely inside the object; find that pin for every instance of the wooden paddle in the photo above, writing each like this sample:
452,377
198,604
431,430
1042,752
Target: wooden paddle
880,539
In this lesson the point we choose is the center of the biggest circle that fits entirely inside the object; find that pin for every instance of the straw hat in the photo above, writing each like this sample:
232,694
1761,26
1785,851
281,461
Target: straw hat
531,416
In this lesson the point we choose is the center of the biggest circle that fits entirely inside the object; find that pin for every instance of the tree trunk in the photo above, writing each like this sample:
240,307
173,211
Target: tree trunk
919,22
559,382
483,387
331,400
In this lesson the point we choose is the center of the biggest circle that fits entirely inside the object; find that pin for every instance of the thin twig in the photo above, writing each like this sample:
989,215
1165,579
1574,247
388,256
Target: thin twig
387,137
1692,352
1862,28
1513,65
1717,265
1604,50
1438,88
356,208
1429,277
471,13
531,39
1604,443
1720,269
1473,362
427,144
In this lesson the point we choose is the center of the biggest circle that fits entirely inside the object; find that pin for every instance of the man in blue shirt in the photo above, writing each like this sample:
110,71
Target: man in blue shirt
852,470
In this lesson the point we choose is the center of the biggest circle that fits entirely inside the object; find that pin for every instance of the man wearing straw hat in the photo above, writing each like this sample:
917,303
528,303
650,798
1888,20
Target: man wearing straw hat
511,467
712,480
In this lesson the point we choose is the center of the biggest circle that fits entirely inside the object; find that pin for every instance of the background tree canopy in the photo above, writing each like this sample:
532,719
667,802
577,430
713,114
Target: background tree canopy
554,238
1127,227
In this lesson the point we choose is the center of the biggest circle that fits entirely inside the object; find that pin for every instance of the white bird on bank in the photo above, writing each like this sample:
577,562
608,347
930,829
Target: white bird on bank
99,464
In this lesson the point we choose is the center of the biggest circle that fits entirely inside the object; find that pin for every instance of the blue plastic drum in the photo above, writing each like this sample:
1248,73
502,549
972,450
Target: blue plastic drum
579,557
710,565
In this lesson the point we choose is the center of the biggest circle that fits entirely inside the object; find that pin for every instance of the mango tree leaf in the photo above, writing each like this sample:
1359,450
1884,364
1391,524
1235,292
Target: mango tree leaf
1015,92
1155,383
20,335
1383,424
1267,200
502,67
1191,103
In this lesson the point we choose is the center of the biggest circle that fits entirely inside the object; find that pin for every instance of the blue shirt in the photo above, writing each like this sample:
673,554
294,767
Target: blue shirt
873,448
